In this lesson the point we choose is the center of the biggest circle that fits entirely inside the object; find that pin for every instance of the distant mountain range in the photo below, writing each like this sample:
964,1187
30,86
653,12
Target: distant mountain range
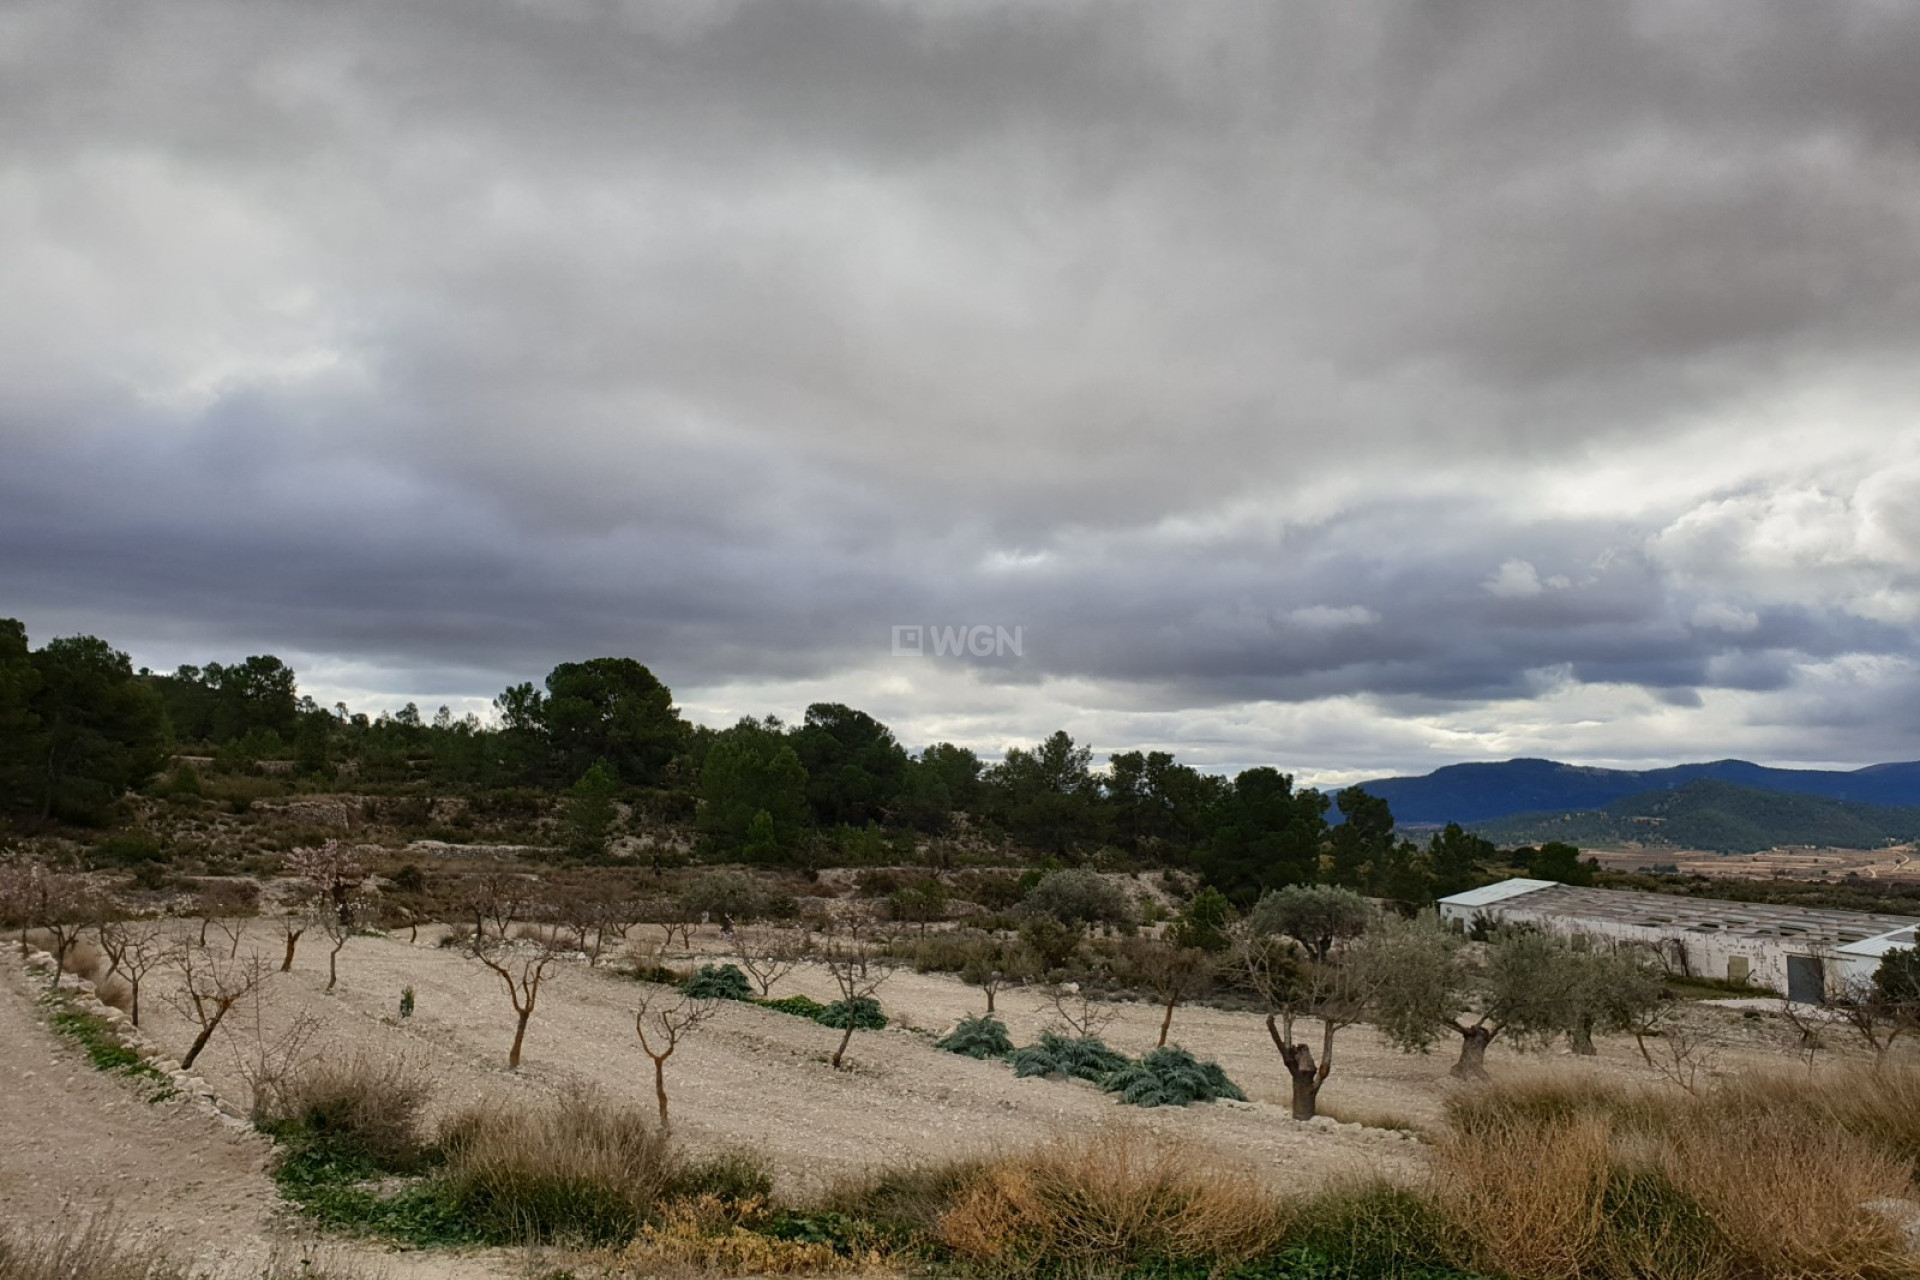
1475,794
1710,814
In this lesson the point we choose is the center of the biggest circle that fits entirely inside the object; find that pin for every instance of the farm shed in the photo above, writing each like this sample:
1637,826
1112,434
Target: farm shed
1808,953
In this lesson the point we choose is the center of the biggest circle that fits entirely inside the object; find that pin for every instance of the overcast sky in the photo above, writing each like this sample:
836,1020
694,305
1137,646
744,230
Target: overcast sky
1352,387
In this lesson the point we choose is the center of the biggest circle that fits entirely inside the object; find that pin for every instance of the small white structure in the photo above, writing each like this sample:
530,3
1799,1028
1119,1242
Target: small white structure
1807,953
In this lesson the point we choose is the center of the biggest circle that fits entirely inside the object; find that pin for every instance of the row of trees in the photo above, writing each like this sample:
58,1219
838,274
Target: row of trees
78,727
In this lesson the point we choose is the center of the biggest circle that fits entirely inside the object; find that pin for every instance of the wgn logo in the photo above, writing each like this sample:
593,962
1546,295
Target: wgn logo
917,641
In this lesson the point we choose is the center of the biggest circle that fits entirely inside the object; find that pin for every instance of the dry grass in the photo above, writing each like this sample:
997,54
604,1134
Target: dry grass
706,1235
92,1249
359,1107
1558,1175
582,1170
1120,1196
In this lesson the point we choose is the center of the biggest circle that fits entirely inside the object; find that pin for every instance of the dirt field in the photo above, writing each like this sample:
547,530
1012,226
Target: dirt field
72,1139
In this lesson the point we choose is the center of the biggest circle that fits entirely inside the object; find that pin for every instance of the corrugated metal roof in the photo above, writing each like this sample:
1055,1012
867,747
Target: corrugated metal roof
1673,914
1893,940
1491,893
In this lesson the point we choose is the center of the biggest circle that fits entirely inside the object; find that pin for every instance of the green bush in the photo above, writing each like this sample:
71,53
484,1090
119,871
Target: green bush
1082,1058
977,1036
731,1176
799,1006
865,1012
718,982
1170,1077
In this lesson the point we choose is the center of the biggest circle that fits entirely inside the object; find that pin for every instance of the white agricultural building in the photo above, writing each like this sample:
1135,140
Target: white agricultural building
1808,953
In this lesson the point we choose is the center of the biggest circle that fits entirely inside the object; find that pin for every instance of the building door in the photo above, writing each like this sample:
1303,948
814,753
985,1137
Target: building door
1806,980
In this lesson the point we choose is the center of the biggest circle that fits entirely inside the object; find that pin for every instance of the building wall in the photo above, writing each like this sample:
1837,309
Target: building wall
1706,954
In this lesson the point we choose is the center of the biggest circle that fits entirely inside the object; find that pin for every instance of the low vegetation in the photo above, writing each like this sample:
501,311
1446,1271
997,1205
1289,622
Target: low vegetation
977,1036
1171,1077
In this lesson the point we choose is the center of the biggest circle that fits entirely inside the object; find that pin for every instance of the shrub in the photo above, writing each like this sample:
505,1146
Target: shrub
1077,1057
864,1011
799,1006
718,982
977,1036
1377,1230
731,1177
581,1171
356,1110
906,1203
1111,1202
1079,896
1570,1175
1170,1077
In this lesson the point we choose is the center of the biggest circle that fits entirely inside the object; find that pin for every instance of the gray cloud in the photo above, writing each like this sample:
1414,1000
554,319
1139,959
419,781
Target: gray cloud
1440,367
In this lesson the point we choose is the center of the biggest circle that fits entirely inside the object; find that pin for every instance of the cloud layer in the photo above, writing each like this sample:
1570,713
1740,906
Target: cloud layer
1356,390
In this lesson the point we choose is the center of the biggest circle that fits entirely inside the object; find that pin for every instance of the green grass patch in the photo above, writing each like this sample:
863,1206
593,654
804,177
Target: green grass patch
799,1006
102,1045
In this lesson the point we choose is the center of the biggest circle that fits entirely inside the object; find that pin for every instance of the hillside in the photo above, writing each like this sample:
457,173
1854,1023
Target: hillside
1710,814
1477,793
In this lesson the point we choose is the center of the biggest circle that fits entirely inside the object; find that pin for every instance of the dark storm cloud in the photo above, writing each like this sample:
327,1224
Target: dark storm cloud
1231,350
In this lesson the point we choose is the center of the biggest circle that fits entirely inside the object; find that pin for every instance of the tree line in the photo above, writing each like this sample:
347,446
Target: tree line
79,726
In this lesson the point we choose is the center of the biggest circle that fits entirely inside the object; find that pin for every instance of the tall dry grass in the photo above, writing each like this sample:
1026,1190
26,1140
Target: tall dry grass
582,1170
360,1108
92,1248
1090,1204
1569,1175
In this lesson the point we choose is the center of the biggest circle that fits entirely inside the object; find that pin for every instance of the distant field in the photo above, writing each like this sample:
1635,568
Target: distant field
1896,863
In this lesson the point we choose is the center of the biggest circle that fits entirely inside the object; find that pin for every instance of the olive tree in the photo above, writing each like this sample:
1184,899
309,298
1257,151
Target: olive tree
1426,982
1610,989
1296,951
1318,917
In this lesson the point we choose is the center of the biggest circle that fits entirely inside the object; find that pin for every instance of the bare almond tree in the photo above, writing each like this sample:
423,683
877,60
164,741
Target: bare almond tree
64,907
521,969
858,970
768,954
674,914
498,898
221,900
233,927
338,921
661,1026
1173,973
23,887
210,985
293,927
134,948
1081,1012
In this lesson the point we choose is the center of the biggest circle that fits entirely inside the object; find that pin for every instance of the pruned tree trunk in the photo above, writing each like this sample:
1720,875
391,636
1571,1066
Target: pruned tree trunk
333,965
293,940
989,999
135,1014
1166,1024
1473,1052
519,1035
1582,1037
1306,1074
846,1037
660,1086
